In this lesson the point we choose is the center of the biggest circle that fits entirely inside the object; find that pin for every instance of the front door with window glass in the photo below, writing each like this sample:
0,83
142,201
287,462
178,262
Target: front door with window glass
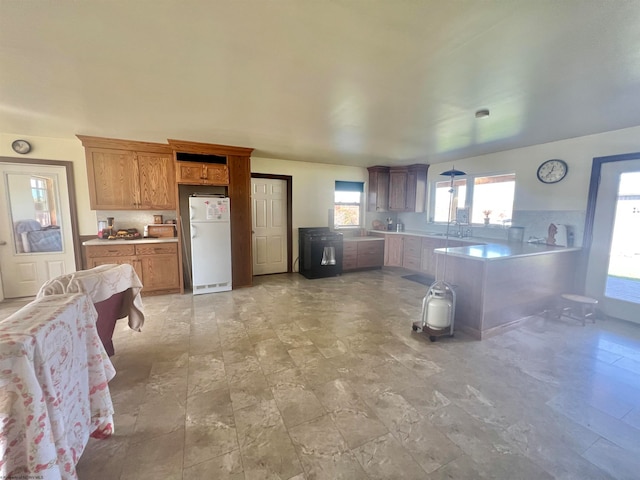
35,221
613,275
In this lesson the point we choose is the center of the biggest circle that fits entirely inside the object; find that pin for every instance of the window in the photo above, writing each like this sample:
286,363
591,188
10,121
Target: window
489,197
441,211
493,199
347,206
40,191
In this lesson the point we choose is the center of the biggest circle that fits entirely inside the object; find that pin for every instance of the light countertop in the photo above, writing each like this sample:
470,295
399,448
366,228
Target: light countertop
497,251
363,239
418,233
100,241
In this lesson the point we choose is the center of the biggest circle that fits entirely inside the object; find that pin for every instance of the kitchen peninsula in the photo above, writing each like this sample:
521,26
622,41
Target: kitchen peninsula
499,285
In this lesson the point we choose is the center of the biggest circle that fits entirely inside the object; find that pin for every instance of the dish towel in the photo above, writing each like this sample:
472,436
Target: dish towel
328,256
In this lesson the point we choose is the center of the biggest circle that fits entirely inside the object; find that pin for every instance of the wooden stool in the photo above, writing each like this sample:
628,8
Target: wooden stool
578,307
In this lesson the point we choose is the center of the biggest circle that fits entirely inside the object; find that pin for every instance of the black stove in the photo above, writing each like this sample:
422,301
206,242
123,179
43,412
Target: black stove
320,252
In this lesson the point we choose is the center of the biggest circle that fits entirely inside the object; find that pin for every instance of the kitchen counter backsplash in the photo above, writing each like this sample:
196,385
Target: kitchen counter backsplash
535,223
124,219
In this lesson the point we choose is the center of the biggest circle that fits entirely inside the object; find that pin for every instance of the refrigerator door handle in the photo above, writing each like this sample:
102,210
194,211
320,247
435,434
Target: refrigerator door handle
193,231
191,212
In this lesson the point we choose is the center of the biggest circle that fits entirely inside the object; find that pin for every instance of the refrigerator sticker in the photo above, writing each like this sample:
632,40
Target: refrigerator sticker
211,211
216,210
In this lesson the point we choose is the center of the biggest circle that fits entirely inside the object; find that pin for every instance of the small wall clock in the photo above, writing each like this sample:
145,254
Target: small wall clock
552,171
21,146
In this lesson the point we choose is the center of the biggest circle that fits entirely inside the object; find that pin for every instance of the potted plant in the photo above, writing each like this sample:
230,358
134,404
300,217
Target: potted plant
486,216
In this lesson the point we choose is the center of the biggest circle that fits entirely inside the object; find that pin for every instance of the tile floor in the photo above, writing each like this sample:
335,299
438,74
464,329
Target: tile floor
323,379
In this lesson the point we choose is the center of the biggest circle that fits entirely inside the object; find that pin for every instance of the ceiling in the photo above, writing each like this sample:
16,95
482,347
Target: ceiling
355,82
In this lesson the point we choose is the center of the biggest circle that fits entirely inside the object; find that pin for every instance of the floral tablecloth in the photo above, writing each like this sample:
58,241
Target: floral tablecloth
54,392
100,283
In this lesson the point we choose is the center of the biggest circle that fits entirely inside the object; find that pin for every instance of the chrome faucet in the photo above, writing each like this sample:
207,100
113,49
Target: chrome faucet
459,233
462,232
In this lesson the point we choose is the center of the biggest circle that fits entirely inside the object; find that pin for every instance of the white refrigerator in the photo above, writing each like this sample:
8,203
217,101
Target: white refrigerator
210,244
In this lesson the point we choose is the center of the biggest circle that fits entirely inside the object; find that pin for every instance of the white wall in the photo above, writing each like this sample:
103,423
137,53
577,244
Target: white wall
313,183
569,194
313,186
65,149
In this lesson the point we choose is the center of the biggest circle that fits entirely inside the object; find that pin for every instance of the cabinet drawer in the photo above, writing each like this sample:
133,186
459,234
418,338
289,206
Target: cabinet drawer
412,246
411,263
371,248
349,248
156,249
349,262
94,251
370,260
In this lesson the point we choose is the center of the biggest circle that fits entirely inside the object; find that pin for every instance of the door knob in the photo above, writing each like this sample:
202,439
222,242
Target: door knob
2,242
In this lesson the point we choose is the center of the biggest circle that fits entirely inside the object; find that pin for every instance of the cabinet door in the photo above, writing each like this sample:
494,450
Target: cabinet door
370,254
378,189
215,174
160,272
393,250
412,252
427,259
190,173
196,173
159,265
430,260
398,190
156,181
112,176
416,187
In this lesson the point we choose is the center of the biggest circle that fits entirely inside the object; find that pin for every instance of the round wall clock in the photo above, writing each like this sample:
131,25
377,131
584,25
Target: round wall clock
552,171
21,146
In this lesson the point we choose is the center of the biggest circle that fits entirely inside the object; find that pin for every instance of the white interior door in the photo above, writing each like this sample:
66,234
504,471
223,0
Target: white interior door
613,274
269,224
36,242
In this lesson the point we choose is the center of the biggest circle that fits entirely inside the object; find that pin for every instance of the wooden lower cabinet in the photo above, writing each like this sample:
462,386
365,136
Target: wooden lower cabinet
393,250
371,254
411,252
428,262
361,254
349,255
415,252
155,263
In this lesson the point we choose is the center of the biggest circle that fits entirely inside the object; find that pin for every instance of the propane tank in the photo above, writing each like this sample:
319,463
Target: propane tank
438,307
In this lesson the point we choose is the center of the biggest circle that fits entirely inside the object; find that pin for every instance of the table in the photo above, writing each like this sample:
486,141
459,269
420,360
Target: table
54,392
114,290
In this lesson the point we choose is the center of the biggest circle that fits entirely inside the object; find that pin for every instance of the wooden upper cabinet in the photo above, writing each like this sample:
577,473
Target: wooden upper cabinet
398,189
196,173
204,163
408,188
128,175
156,181
378,189
111,176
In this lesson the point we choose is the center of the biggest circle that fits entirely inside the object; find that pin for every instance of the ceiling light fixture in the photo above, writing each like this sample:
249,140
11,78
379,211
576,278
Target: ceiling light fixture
482,113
